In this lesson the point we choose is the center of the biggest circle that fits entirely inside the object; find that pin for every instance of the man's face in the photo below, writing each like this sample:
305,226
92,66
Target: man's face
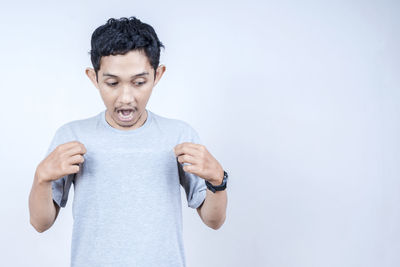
125,83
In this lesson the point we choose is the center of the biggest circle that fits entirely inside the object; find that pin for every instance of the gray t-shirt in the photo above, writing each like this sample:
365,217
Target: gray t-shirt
127,201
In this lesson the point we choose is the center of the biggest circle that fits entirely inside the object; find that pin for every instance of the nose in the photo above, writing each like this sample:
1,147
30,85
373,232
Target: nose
127,96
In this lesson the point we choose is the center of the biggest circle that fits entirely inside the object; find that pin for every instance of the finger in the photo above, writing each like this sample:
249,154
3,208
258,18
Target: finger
191,149
190,168
76,159
185,144
83,148
186,158
77,149
70,144
73,168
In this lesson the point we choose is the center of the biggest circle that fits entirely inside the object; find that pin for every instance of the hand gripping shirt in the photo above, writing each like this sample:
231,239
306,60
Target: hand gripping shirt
127,207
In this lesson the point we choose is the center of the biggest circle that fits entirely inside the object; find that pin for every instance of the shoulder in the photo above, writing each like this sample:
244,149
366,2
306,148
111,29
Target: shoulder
76,127
177,127
171,123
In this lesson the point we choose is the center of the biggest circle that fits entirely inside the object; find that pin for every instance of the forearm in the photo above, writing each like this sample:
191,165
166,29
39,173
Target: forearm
213,210
41,207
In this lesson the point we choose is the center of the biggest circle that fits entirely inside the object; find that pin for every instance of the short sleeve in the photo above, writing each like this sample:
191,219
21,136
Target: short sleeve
60,187
195,187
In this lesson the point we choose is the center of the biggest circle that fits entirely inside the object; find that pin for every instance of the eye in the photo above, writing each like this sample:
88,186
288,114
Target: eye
112,84
139,83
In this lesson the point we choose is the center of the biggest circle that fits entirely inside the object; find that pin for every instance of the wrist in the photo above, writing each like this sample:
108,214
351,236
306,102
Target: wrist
218,187
218,181
40,178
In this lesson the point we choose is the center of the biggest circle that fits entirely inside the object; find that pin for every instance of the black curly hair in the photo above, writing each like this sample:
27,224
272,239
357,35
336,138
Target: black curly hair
119,36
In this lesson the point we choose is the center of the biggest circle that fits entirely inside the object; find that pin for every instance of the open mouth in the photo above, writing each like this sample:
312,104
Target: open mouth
125,114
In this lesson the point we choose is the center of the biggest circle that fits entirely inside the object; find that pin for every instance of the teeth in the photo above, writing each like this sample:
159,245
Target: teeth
127,116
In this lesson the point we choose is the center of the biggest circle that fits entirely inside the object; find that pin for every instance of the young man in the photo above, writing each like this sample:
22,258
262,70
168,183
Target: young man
127,163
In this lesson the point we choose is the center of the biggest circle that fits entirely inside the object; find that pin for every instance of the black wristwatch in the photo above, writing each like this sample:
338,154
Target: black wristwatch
220,187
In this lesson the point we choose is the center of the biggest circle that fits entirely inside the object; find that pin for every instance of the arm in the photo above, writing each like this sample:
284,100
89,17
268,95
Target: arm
63,160
43,210
201,163
213,210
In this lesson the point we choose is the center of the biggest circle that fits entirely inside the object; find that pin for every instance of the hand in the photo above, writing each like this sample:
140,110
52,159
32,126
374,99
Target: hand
203,164
63,160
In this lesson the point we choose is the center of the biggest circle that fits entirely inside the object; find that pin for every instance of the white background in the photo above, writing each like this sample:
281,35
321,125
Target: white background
298,101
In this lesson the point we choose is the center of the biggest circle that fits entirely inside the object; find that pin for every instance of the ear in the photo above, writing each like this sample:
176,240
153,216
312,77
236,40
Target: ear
159,73
92,76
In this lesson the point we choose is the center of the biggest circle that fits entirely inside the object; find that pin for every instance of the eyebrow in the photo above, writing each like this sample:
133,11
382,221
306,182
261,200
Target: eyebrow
133,76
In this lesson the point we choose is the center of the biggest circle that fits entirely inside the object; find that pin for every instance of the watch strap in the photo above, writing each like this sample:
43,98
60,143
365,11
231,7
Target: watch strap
222,186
